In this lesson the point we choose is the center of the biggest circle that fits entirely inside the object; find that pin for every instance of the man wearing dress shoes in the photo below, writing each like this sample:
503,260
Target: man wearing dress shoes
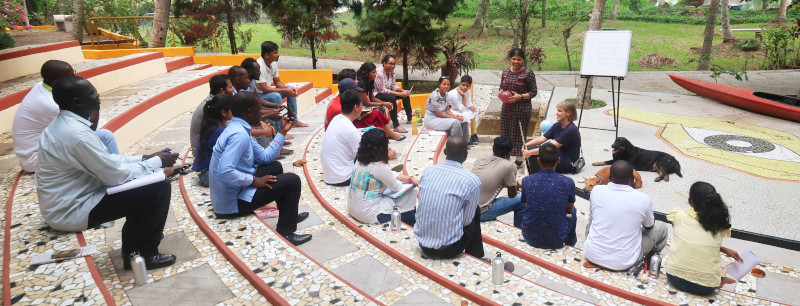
75,170
238,186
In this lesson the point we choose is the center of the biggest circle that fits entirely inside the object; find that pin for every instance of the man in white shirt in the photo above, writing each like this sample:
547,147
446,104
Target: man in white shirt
622,228
340,145
36,112
268,63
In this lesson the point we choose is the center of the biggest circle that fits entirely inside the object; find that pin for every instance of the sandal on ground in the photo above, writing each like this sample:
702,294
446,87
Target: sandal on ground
269,213
401,138
400,129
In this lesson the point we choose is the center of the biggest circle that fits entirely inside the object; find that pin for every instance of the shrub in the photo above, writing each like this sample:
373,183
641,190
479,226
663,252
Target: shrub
6,41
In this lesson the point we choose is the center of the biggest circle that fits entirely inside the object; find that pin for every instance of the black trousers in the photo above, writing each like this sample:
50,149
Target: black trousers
564,166
145,209
285,192
470,243
393,113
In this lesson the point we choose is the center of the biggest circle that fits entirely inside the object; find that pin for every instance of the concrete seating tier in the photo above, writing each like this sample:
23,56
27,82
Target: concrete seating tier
466,271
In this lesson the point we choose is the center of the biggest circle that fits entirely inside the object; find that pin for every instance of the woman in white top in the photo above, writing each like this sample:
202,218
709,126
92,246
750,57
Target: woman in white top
366,201
460,101
438,114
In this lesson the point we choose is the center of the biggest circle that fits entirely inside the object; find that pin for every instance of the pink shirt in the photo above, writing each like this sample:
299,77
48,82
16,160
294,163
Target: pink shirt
384,82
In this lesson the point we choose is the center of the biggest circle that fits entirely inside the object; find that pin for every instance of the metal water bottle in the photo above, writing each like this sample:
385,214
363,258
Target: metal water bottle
498,267
395,219
654,267
139,269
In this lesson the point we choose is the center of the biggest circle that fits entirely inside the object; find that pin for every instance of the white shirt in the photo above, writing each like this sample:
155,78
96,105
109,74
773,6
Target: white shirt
457,105
339,148
34,114
615,235
268,74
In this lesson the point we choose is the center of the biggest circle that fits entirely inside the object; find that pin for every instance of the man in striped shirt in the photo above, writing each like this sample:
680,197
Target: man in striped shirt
448,218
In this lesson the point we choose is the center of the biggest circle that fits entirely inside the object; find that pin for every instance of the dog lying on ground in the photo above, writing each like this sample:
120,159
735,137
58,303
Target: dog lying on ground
643,160
603,176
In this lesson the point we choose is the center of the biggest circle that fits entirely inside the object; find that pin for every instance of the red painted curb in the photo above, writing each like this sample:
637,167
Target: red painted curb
323,94
476,298
51,47
200,67
262,287
95,273
7,244
179,63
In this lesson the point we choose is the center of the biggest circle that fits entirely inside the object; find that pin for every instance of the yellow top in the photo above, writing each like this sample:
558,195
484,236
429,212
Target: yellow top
694,252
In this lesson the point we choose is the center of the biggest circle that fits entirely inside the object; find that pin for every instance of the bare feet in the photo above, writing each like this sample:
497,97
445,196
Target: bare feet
300,124
289,136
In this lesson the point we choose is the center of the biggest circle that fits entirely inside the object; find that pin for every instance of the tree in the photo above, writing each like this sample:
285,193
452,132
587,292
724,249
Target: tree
309,21
77,20
725,21
227,16
595,23
411,29
480,16
781,18
544,13
708,36
158,37
615,10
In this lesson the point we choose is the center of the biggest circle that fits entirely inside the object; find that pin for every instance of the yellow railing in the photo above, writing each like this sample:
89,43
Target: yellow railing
131,31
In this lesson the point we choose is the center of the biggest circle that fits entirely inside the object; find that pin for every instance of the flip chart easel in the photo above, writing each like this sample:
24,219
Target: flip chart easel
606,54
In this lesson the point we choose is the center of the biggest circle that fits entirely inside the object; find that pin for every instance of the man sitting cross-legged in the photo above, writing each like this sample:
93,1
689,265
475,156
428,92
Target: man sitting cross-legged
219,84
622,229
548,197
37,110
374,118
497,172
75,170
238,186
448,217
269,85
262,133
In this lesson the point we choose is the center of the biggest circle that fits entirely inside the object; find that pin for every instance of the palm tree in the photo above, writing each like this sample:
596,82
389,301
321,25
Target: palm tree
708,36
77,20
158,37
725,20
781,18
595,23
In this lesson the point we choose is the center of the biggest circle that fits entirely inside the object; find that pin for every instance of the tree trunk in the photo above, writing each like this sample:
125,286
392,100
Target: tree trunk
708,36
764,4
483,8
725,20
522,25
615,11
158,37
595,23
57,8
311,44
77,20
231,32
405,69
286,40
781,18
544,13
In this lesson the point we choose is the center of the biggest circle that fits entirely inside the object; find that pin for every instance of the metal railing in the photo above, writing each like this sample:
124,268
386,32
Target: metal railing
136,30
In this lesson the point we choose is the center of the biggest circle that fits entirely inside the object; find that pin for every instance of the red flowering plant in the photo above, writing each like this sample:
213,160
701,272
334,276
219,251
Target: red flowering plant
13,16
458,60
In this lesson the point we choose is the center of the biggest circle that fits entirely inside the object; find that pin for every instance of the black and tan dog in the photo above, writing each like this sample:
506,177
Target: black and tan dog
643,160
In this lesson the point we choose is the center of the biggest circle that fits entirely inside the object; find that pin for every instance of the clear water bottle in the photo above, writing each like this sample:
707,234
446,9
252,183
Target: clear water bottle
139,269
498,267
395,219
654,268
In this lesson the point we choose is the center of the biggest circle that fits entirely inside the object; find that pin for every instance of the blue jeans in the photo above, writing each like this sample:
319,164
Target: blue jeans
504,205
408,217
107,138
276,98
572,237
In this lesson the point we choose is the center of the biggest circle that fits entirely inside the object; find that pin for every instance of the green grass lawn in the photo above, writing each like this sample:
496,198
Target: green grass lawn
676,41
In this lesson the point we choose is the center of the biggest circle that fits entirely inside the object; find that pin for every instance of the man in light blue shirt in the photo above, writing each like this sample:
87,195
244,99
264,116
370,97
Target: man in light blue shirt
238,186
448,217
75,169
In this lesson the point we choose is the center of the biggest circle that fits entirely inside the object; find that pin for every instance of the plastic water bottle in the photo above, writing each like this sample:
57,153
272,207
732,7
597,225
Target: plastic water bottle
414,126
395,219
498,267
654,268
139,269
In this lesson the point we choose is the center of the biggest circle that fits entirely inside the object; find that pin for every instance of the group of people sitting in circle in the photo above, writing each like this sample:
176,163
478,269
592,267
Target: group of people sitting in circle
238,132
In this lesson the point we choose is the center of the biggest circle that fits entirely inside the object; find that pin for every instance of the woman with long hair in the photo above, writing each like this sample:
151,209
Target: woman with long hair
366,200
522,83
564,134
216,114
440,117
366,75
693,263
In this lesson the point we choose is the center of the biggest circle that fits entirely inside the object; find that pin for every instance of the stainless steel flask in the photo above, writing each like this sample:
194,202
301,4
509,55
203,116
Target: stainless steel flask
498,266
139,269
395,219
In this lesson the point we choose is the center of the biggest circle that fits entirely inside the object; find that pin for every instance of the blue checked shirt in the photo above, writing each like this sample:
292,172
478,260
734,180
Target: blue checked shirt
233,165
448,196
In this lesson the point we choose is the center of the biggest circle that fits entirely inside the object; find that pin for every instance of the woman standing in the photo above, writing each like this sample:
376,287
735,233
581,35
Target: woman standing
438,115
522,83
693,262
372,176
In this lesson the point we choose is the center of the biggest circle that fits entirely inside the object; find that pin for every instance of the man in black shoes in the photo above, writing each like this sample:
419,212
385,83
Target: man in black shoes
75,170
238,186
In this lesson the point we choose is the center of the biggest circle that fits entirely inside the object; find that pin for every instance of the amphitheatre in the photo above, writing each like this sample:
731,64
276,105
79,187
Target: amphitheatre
148,96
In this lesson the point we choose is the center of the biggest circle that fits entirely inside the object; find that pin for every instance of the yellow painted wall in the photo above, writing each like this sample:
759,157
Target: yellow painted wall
168,52
158,115
7,117
32,63
320,77
224,59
